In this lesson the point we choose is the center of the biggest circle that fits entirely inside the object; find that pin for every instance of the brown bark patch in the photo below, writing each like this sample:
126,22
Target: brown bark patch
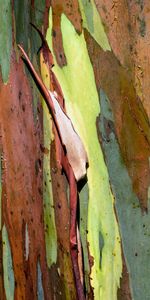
124,291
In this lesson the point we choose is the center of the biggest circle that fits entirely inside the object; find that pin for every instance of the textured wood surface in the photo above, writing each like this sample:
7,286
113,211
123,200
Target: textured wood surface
109,43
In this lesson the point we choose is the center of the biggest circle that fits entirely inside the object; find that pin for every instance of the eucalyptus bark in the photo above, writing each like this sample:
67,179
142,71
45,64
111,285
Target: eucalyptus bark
101,61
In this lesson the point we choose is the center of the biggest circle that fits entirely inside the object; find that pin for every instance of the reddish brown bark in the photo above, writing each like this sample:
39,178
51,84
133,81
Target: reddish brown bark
22,201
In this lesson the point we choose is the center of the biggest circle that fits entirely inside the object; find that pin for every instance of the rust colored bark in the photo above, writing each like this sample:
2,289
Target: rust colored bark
22,174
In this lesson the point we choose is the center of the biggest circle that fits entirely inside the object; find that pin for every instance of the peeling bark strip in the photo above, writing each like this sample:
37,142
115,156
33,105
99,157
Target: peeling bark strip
76,154
69,138
73,160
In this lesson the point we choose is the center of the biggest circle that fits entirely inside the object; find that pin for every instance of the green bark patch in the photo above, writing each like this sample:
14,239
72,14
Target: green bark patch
78,85
22,20
9,282
40,292
142,26
134,226
5,38
24,15
27,36
56,210
49,218
93,23
39,9
84,196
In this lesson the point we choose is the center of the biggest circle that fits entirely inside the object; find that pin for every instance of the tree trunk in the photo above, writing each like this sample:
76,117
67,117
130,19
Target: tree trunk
101,73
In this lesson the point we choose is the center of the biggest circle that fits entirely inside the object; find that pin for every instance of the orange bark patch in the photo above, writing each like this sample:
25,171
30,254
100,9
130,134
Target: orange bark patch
128,28
115,17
